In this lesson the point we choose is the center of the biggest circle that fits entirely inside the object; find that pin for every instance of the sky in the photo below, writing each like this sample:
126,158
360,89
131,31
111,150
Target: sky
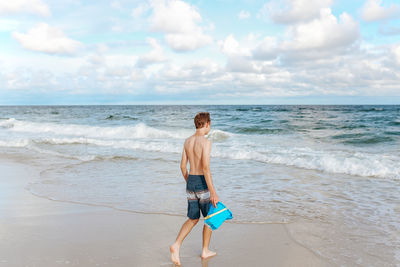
73,52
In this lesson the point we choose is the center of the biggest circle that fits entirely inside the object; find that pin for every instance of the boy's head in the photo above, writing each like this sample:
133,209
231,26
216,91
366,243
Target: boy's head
202,119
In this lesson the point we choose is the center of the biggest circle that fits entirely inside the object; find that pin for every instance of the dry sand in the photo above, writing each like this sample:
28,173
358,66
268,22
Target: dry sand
36,231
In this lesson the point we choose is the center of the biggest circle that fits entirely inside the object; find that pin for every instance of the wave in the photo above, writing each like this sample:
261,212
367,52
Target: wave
218,135
372,109
331,161
392,132
15,143
116,117
359,164
139,130
352,126
121,139
341,162
362,138
369,140
259,130
30,144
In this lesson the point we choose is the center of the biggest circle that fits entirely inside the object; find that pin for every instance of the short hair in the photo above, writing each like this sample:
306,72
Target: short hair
201,119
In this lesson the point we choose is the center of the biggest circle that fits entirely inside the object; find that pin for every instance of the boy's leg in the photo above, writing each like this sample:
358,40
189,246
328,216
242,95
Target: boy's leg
206,242
185,230
207,231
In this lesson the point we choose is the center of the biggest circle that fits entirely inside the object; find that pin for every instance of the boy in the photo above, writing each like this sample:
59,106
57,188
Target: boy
199,186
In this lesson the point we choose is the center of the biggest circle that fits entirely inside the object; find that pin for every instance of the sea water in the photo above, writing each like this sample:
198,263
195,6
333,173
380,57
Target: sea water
331,174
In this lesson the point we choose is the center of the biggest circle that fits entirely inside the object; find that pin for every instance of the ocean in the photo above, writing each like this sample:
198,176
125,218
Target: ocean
331,174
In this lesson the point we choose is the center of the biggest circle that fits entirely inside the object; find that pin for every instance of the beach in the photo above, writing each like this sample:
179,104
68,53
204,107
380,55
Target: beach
36,231
307,185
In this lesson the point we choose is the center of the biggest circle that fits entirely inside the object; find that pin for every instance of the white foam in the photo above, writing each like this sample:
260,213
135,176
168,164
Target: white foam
139,130
15,143
233,146
358,163
218,135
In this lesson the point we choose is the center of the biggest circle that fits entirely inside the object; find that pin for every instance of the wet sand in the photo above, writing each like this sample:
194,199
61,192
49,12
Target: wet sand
36,231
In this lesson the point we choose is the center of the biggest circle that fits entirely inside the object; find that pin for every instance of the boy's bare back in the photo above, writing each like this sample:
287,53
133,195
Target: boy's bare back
196,147
197,150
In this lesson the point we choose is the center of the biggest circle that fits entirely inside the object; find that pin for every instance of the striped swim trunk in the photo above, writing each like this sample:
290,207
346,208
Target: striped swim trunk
198,196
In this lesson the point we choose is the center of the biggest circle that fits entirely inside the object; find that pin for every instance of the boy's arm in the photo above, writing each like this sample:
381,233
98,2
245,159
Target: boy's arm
184,164
207,173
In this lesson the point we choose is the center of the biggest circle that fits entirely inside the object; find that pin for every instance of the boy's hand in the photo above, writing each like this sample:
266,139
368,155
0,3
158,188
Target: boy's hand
214,199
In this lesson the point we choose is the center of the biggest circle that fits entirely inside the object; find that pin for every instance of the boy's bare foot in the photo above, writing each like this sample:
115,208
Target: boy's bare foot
175,254
207,253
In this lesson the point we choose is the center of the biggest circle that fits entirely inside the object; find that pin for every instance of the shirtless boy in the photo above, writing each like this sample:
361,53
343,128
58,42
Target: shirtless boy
199,186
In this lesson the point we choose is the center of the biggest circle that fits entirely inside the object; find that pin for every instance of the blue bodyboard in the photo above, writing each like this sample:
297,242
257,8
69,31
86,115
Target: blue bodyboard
216,216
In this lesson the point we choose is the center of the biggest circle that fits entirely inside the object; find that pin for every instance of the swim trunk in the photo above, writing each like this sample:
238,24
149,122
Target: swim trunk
198,196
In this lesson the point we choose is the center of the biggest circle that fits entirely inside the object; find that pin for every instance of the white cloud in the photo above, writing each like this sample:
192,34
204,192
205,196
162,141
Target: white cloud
97,59
241,64
180,23
156,55
140,10
243,14
396,53
24,6
293,11
319,38
191,76
373,11
231,47
248,54
174,16
188,41
47,39
267,49
325,32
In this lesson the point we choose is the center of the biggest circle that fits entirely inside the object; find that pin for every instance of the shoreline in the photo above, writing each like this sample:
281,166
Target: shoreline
37,231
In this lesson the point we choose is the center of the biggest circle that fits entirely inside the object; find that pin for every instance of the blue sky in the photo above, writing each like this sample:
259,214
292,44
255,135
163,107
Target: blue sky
199,52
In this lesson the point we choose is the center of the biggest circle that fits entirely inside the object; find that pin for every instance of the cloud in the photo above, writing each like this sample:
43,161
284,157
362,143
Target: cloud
188,41
243,14
311,52
320,37
293,11
24,6
231,47
267,49
140,10
324,32
97,59
156,55
180,23
47,39
194,76
396,53
373,11
174,16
